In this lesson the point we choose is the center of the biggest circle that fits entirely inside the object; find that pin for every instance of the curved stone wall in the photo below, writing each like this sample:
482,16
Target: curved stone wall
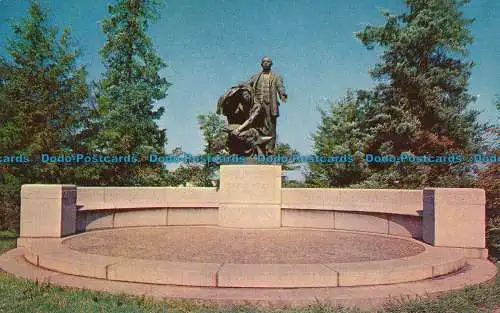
251,196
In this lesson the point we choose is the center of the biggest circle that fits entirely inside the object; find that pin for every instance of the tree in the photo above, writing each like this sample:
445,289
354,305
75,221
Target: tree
341,132
489,180
215,142
41,96
420,104
125,118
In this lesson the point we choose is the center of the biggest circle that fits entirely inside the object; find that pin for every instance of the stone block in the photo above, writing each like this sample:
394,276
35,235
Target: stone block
303,198
454,217
75,263
368,222
250,196
458,196
381,273
192,216
36,244
191,197
90,198
410,203
142,217
259,184
405,225
276,275
370,200
164,272
450,266
44,191
250,215
48,210
120,197
307,218
331,198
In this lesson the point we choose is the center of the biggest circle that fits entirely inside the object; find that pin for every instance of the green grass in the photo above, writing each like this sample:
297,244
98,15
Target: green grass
7,240
22,296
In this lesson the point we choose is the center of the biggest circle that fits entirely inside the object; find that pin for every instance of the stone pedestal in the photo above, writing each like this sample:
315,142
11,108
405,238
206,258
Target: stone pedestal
250,196
48,210
454,217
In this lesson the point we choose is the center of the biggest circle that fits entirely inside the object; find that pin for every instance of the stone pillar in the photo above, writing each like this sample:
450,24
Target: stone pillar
48,211
250,196
454,217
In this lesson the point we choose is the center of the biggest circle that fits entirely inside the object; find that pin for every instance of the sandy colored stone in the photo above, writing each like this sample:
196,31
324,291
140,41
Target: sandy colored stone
405,225
48,210
192,216
368,297
151,217
454,217
365,222
307,218
250,184
249,215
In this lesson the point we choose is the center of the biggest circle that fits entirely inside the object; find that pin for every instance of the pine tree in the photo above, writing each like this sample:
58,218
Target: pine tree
125,118
420,104
341,132
41,96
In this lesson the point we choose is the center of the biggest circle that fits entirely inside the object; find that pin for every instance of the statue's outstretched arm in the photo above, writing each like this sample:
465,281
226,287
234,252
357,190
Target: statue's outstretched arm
281,89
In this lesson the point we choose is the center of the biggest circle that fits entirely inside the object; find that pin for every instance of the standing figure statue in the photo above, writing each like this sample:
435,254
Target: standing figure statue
267,86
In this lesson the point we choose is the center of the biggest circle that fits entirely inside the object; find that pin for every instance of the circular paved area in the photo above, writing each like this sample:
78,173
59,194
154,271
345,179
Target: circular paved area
217,245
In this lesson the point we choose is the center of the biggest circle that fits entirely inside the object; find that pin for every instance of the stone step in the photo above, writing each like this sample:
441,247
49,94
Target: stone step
365,297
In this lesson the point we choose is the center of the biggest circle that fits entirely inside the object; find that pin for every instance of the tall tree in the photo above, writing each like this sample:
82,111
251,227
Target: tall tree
41,95
341,132
420,105
125,118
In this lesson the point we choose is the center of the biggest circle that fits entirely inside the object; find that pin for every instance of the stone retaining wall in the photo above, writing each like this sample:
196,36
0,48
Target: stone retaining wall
252,197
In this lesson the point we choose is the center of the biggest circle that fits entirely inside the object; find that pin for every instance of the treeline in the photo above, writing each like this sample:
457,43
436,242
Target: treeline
419,105
47,105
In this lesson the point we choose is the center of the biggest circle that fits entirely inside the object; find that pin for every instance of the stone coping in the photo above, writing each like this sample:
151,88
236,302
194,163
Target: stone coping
389,201
433,262
364,297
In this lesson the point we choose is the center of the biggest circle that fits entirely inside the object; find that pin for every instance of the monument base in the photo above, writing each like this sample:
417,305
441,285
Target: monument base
250,196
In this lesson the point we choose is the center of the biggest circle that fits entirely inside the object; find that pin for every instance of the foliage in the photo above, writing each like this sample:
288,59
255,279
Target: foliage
285,149
342,131
493,237
489,180
41,96
420,104
124,121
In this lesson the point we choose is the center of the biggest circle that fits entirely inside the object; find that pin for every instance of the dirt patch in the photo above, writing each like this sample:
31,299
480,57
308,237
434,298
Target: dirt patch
216,245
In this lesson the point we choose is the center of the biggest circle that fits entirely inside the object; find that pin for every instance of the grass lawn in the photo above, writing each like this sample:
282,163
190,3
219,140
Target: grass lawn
7,240
23,296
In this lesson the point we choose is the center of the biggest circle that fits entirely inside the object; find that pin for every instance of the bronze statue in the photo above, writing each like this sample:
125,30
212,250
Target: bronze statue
248,127
267,86
252,110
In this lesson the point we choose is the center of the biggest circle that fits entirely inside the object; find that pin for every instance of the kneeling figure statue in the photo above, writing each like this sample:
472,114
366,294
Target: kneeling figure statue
247,124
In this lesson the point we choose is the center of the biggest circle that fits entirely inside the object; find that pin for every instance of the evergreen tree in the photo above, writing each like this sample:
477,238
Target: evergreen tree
41,96
420,105
125,118
341,132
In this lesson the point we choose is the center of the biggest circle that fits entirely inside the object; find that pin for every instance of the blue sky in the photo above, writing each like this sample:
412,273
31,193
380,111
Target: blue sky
211,45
